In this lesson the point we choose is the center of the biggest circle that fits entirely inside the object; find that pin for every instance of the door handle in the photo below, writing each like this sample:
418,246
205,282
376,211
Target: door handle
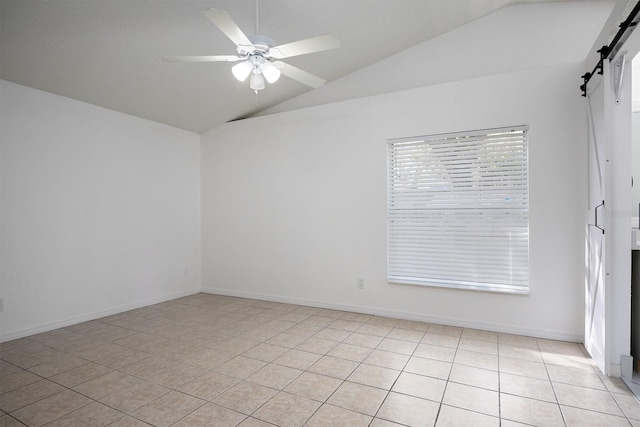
596,211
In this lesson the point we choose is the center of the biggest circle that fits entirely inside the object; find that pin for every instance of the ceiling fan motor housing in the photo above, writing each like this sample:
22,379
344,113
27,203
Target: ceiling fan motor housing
261,43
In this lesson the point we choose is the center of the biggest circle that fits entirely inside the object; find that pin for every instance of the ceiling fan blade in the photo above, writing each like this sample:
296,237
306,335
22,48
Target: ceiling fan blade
223,21
214,58
299,75
302,47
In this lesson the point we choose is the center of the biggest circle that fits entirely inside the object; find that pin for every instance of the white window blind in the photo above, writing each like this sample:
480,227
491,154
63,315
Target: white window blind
458,210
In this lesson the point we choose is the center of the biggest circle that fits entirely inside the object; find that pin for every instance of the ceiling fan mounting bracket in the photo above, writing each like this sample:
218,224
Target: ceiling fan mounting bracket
261,44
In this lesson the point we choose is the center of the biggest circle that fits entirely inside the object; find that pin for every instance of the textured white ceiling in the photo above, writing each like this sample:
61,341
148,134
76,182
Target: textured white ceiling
108,52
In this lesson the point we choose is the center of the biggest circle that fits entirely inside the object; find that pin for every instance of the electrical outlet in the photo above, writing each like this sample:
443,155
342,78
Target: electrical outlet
1,304
360,283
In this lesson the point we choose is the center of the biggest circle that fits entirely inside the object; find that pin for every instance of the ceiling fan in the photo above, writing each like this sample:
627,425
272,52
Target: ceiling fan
259,56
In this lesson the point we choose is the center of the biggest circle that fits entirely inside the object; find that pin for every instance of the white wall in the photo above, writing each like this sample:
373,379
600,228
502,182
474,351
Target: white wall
99,211
294,204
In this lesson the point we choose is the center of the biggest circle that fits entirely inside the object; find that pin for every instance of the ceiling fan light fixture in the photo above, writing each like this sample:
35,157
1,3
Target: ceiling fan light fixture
242,70
257,80
270,72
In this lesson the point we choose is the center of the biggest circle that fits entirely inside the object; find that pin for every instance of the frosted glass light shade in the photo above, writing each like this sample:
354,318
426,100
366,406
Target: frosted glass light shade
270,71
257,81
242,70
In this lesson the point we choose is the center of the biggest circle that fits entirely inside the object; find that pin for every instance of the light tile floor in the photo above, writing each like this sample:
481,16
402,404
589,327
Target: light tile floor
210,360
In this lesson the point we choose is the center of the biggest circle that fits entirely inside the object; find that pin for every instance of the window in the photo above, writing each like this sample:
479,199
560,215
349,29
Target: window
458,210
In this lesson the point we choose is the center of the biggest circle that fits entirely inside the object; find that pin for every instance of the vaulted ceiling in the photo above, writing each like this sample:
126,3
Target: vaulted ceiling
108,52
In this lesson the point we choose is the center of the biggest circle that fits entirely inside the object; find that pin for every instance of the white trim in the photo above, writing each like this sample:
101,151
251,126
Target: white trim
377,311
45,327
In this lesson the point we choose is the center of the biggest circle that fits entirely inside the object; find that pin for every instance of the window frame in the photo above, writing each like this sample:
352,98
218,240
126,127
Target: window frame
516,178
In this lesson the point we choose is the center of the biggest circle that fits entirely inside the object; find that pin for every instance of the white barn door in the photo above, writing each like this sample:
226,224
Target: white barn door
596,338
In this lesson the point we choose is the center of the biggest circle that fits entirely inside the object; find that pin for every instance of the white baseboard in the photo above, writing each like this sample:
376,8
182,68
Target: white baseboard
92,316
464,323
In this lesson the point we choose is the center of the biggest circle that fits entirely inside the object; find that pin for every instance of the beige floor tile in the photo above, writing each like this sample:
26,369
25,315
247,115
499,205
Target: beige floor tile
363,340
93,414
240,367
440,340
477,360
428,351
80,374
575,417
316,345
57,366
520,341
50,408
9,421
346,325
397,346
532,355
530,411
260,334
106,384
332,416
629,405
121,359
579,362
131,398
295,317
332,334
28,394
377,330
452,331
586,398
412,325
574,376
450,416
477,377
298,359
428,367
523,368
275,376
147,367
379,422
477,334
350,352
333,367
305,330
245,397
614,384
420,386
176,376
208,385
405,335
7,368
383,321
359,398
478,346
254,422
527,387
387,359
265,352
318,321
313,386
374,376
167,409
279,325
472,398
211,415
286,340
408,410
16,380
287,410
